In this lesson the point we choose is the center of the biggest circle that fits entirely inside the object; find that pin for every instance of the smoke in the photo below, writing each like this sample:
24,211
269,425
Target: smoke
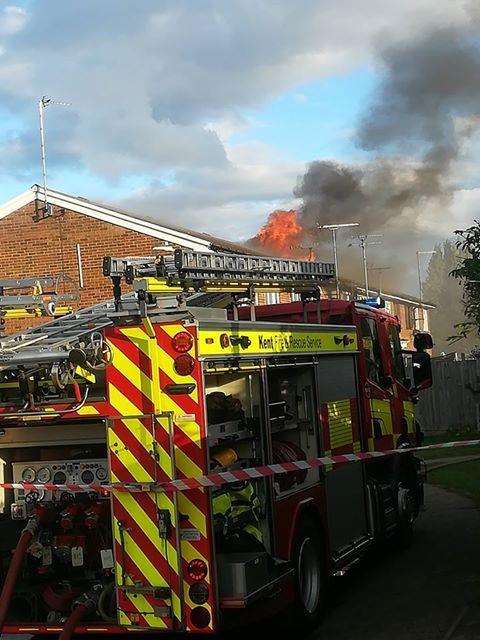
420,119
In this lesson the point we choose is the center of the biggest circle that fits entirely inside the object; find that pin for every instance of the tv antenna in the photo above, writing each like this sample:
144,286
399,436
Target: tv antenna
309,248
362,241
42,104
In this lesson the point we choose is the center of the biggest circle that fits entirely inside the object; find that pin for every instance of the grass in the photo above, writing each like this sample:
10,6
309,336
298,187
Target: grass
450,436
463,478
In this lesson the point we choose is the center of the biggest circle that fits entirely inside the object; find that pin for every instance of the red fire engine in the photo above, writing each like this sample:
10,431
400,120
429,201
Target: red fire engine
107,415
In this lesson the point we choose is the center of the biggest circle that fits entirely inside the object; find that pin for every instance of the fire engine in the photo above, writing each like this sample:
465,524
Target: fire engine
103,409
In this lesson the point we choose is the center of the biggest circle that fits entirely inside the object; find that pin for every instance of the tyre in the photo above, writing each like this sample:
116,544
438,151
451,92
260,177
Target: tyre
406,517
310,576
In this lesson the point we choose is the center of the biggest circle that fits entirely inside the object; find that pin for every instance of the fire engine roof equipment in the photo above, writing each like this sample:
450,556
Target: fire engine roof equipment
163,286
34,297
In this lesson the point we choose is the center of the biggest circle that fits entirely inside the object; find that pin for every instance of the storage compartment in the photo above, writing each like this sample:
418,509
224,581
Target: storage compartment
291,395
241,574
70,553
234,428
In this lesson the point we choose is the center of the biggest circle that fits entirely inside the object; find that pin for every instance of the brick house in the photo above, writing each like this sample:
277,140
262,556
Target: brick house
79,233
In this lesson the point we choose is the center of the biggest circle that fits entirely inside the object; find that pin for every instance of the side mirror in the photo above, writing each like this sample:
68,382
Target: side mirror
422,370
422,341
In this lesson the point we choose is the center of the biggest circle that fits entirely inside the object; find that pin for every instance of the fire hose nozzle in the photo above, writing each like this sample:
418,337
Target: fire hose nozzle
89,599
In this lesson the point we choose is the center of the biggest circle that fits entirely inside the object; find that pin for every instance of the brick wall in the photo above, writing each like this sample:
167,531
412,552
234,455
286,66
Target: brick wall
48,247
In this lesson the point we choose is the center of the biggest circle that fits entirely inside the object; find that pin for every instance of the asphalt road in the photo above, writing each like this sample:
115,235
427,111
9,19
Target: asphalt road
430,591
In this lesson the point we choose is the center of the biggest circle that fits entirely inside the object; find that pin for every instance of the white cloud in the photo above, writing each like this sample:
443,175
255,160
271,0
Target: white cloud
160,87
12,20
230,202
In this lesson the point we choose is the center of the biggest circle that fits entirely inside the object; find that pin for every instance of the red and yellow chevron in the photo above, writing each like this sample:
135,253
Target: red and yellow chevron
190,455
153,437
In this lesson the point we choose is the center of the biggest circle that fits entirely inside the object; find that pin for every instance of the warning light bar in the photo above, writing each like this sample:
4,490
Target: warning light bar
376,303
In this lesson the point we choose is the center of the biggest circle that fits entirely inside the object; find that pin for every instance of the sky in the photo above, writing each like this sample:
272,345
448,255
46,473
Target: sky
204,113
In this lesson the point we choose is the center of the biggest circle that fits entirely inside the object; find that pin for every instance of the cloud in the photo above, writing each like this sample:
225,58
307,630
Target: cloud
12,20
159,87
230,202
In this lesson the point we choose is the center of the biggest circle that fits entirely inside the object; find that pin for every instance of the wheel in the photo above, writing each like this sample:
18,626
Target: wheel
406,517
310,576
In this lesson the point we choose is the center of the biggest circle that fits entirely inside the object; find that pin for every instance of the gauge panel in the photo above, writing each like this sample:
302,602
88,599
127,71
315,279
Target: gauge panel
44,475
28,475
58,472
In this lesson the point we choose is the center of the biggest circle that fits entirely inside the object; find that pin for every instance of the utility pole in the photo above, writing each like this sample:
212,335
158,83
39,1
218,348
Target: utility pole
42,104
333,228
420,286
362,242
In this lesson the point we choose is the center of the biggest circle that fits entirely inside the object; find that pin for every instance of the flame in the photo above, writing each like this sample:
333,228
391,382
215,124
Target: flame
282,235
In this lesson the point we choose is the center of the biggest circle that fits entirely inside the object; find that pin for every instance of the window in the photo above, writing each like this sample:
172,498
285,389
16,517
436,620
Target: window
409,317
397,356
272,297
371,349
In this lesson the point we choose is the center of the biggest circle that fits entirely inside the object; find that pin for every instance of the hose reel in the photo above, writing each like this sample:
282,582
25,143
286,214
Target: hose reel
94,356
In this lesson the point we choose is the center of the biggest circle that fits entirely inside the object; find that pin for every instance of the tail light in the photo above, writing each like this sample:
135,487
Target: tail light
182,341
198,592
197,569
200,617
184,365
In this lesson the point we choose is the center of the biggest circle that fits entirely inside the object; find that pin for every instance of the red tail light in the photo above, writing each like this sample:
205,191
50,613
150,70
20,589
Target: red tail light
200,617
182,341
197,569
184,365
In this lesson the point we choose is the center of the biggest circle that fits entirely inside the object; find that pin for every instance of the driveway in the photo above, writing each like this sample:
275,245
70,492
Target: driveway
428,592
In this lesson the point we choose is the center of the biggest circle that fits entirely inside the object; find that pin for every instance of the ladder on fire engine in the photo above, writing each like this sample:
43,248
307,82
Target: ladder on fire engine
184,275
186,272
34,297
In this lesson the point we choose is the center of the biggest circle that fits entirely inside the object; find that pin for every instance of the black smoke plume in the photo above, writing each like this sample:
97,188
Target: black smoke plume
424,111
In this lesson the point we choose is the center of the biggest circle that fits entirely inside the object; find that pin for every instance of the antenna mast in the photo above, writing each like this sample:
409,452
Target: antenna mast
42,103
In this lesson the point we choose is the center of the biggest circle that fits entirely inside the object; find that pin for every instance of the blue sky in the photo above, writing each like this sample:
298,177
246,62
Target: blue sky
201,112
315,120
311,121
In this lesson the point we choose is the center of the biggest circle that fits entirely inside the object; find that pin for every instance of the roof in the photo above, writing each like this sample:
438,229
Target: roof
394,297
195,240
187,238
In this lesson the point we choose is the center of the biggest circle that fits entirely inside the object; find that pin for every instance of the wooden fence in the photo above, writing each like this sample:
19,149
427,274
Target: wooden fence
453,402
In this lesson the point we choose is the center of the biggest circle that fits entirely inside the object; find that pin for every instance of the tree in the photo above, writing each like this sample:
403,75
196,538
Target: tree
467,271
444,290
